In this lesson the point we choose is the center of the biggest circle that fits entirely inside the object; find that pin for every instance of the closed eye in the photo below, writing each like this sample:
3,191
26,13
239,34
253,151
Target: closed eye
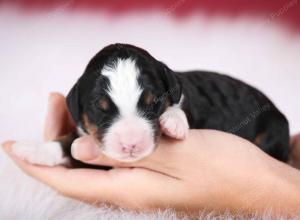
149,98
104,104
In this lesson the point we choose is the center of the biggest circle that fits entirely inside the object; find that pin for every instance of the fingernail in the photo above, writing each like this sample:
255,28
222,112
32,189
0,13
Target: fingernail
83,150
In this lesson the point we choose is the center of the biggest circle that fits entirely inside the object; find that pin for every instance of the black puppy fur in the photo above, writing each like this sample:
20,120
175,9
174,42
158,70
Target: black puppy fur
211,101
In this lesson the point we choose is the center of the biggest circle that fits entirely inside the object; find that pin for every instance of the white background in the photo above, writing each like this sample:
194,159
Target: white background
47,52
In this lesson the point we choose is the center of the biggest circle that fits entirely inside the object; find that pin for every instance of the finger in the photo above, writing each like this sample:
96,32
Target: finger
122,186
70,182
87,150
143,189
295,139
294,152
58,119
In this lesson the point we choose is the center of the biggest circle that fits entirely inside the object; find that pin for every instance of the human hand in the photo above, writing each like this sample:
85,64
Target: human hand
294,154
209,170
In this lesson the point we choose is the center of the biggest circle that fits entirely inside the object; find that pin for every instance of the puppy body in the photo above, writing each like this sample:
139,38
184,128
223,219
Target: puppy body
216,101
126,99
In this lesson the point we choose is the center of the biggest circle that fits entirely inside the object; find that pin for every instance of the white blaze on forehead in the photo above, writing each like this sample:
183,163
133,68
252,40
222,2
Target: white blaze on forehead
124,89
130,129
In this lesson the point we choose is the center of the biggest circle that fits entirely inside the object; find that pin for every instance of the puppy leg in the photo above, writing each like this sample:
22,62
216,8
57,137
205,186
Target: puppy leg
173,122
45,153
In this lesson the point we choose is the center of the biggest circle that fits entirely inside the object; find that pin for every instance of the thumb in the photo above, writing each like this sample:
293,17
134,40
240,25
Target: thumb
87,150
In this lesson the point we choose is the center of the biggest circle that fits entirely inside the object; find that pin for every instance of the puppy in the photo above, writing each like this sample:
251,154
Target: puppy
126,99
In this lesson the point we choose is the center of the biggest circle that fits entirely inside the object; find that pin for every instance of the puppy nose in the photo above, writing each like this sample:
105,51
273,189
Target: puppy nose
127,148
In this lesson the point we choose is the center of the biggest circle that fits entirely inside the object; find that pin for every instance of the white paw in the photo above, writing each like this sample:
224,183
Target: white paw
48,153
173,122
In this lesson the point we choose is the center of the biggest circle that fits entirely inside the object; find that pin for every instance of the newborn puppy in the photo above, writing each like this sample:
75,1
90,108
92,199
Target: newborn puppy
126,99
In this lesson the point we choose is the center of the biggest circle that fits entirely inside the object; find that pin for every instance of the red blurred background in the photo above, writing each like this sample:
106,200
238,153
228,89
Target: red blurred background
287,11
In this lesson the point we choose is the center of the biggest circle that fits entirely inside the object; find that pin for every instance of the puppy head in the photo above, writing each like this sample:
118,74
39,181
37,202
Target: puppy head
119,99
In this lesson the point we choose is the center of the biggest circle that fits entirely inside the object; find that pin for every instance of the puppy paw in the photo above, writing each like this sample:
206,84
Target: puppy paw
173,122
48,153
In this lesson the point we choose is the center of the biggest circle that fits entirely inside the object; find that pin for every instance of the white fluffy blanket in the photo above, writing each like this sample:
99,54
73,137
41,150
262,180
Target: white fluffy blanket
48,52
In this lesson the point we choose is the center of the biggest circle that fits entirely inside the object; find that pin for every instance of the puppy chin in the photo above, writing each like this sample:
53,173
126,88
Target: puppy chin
127,157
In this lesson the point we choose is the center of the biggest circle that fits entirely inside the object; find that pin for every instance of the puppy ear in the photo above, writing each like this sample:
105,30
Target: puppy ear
73,103
172,84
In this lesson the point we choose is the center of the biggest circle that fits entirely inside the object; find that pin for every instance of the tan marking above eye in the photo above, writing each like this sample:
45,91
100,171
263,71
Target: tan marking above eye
103,104
149,98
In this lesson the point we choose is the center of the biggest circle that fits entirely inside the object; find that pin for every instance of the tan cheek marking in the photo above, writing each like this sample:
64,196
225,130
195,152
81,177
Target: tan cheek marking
167,103
91,128
259,138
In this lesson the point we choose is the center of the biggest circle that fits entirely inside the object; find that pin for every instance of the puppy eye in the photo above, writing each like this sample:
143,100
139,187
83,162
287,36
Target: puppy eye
103,104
